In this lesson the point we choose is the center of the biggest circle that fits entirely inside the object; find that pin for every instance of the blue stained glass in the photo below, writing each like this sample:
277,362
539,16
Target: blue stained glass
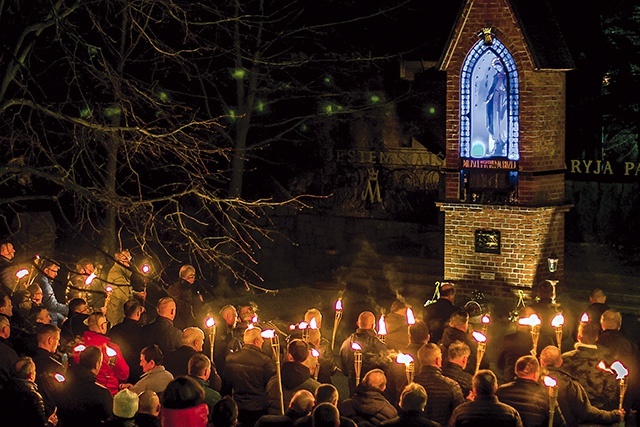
489,103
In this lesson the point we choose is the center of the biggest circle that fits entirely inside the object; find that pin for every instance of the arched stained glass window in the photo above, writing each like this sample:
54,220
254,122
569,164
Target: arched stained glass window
489,103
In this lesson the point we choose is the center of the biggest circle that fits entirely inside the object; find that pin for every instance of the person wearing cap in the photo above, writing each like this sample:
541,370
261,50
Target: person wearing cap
437,315
125,407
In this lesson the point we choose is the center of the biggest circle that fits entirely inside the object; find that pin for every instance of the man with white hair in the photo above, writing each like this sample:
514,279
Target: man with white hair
247,373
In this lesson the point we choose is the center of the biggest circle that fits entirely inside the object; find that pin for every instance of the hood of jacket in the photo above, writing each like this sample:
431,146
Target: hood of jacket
294,374
368,401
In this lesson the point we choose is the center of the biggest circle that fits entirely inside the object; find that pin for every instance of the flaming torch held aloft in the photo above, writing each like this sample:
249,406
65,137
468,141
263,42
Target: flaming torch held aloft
621,375
552,385
409,365
411,320
485,319
304,327
315,354
584,318
211,324
481,339
557,322
336,322
357,360
533,321
271,335
382,329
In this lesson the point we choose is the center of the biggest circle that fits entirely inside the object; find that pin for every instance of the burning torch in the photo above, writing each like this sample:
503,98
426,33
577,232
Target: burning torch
336,321
315,353
557,323
533,321
382,329
411,320
211,324
357,360
271,335
552,385
621,375
481,339
409,365
485,319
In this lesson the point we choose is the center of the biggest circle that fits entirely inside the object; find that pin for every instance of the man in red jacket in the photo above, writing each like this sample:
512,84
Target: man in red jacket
114,369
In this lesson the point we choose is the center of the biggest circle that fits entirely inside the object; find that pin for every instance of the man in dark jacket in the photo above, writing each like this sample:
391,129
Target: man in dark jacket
458,330
528,396
161,331
177,362
200,370
572,398
74,325
8,356
413,400
454,368
299,407
582,364
48,273
373,350
437,314
368,405
513,346
485,409
295,376
22,404
444,393
49,371
84,402
188,301
247,373
325,394
128,336
397,331
225,341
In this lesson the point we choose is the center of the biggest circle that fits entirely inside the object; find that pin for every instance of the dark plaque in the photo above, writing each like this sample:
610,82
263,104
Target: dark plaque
487,241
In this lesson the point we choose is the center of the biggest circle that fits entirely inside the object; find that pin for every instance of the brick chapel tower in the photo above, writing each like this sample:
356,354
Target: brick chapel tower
504,203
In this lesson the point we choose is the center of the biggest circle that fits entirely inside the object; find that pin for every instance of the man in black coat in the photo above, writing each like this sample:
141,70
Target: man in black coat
300,406
325,394
84,402
50,372
437,315
374,351
247,373
513,346
177,362
8,356
368,404
454,368
528,396
74,325
458,330
161,331
485,409
128,335
413,400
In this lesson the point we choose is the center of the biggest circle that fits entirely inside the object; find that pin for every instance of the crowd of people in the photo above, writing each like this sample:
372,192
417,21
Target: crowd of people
98,358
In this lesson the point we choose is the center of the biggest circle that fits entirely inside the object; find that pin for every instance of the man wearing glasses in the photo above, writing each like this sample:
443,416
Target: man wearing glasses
57,310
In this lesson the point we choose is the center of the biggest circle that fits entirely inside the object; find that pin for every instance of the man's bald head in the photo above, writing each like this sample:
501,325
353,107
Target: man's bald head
366,320
302,401
375,379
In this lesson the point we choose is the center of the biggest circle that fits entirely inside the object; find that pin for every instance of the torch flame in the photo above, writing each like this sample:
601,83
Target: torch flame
411,320
534,320
210,322
619,369
315,352
254,319
558,320
292,327
250,326
22,273
404,359
550,382
303,325
356,347
339,304
486,319
108,289
89,279
268,334
313,324
603,367
146,268
479,336
584,318
382,326
59,377
79,348
111,352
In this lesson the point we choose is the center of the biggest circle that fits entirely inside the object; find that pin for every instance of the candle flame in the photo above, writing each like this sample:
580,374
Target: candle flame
22,273
210,322
550,382
486,319
411,320
89,279
404,359
356,347
339,304
315,352
313,324
558,320
268,334
79,348
303,325
619,369
382,326
59,377
584,318
111,352
479,336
